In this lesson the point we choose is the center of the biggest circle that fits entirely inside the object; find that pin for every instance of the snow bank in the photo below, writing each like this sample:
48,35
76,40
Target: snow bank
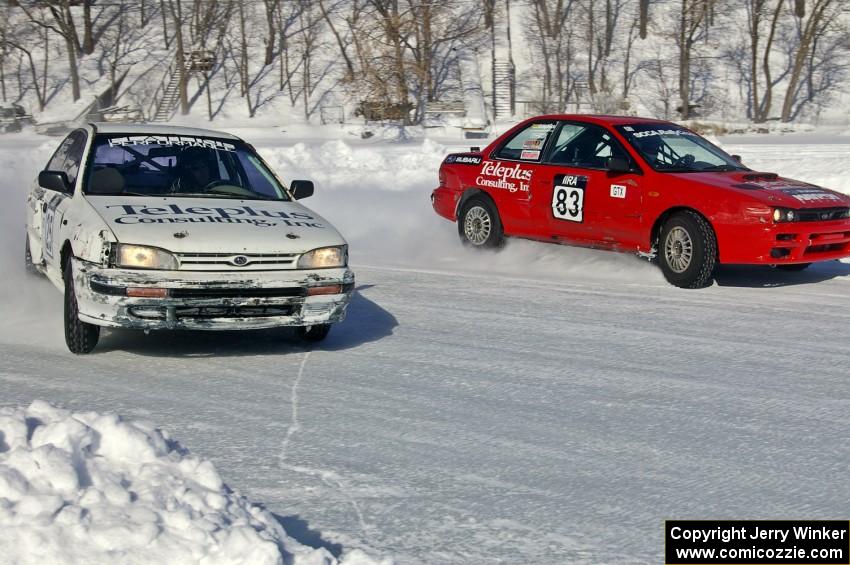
94,488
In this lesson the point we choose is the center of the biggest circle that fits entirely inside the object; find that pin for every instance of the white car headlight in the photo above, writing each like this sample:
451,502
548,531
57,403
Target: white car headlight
143,257
324,258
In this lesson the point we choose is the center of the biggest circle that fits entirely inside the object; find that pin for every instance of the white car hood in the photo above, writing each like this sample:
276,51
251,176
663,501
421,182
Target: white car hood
215,225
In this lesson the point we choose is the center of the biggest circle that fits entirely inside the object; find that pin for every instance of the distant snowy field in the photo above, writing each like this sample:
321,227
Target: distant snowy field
542,404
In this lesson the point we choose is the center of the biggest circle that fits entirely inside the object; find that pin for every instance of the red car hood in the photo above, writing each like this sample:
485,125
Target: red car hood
771,189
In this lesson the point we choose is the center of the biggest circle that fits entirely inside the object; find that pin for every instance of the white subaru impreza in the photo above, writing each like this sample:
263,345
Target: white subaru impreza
159,227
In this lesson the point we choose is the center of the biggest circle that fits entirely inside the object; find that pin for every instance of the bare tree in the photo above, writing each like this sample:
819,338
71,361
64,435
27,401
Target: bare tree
271,29
342,43
694,17
438,29
176,10
605,45
288,16
88,38
759,11
552,39
62,23
811,29
395,26
4,50
210,23
39,84
661,75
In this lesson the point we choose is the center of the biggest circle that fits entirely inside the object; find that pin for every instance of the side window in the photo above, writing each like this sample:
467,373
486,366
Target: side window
528,144
585,145
69,156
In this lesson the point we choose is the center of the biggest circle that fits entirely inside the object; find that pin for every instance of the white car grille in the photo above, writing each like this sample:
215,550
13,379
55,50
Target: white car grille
237,261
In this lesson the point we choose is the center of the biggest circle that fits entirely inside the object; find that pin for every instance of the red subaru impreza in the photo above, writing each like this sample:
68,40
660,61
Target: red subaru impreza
639,185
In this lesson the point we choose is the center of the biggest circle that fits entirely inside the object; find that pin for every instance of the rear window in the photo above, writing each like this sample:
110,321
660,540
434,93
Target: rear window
528,144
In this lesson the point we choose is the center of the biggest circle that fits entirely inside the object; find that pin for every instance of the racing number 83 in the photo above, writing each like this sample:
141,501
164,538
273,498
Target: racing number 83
568,203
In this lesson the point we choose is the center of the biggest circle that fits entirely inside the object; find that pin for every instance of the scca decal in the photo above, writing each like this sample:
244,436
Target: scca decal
174,214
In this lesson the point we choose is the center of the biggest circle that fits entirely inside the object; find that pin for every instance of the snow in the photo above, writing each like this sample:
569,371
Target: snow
95,488
543,404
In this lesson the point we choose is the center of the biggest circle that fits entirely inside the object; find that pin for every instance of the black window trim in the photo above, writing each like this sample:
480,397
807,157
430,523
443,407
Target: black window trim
546,160
83,159
494,155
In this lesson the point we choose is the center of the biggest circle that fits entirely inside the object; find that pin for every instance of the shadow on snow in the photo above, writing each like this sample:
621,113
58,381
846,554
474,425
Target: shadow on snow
299,530
768,277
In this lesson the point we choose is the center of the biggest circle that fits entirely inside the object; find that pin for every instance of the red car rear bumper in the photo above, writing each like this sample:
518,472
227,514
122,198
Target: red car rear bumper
444,200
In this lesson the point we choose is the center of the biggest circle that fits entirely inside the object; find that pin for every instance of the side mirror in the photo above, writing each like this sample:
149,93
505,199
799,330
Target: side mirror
618,165
301,189
737,158
54,180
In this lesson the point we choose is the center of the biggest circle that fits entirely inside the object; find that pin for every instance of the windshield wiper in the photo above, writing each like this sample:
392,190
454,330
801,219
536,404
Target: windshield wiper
224,195
122,193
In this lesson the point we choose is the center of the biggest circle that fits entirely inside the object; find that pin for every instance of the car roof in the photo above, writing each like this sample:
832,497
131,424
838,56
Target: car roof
602,119
156,129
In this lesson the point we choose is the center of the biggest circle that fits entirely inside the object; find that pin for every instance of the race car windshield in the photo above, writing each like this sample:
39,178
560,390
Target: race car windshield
669,148
169,165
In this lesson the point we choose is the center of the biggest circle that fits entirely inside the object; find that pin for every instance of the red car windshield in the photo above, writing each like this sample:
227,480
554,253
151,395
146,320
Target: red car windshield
674,149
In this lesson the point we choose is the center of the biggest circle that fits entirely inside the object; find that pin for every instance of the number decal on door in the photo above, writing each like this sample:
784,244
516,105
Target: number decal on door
568,198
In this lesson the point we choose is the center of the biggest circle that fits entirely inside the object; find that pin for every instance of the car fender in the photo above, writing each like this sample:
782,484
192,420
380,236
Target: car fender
468,193
88,234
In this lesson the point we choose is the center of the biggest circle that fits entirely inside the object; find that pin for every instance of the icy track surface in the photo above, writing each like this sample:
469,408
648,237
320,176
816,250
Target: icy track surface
538,405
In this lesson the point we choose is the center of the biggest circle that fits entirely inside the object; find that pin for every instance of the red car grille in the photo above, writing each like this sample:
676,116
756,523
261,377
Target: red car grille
822,214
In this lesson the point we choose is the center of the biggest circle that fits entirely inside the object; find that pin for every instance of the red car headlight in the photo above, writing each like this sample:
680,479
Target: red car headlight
782,215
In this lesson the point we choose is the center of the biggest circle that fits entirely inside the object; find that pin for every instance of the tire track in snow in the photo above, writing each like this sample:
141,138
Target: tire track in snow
330,478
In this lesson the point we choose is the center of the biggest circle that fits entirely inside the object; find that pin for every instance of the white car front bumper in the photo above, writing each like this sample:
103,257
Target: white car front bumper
211,300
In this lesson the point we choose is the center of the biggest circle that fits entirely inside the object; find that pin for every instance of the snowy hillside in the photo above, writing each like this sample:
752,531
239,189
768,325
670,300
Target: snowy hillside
459,63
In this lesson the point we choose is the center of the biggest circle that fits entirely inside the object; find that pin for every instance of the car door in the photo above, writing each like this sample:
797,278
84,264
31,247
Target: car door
508,174
587,202
52,205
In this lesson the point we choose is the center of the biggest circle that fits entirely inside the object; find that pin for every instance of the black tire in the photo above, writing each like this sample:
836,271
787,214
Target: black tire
479,224
793,267
80,337
687,250
29,266
315,333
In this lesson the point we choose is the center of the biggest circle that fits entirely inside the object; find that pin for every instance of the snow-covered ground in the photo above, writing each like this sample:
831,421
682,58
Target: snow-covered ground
94,488
542,404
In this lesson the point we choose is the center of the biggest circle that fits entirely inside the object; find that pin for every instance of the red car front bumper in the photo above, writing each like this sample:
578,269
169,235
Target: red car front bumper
793,242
